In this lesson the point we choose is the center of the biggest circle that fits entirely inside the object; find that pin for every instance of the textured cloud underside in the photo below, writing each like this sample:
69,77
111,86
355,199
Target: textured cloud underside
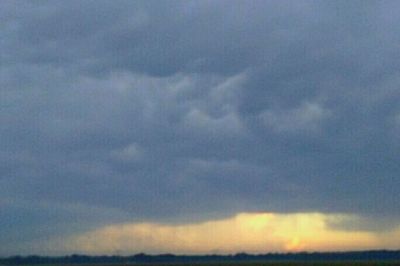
186,111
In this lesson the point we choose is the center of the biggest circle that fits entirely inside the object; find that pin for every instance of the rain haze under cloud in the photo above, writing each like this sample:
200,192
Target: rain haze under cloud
187,111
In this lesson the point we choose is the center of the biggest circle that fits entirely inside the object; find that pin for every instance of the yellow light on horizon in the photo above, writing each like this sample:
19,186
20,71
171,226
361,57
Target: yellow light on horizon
244,232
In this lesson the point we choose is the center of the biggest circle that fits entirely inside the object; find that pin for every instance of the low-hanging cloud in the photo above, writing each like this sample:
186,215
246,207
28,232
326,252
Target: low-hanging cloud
190,111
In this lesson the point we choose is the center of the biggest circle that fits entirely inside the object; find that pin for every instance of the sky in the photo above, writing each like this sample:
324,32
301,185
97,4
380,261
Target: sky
198,127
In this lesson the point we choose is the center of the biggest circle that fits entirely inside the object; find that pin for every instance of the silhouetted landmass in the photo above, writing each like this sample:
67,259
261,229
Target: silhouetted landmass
374,255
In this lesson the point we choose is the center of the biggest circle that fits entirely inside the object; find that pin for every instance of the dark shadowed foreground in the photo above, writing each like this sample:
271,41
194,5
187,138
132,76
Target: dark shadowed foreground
266,263
381,257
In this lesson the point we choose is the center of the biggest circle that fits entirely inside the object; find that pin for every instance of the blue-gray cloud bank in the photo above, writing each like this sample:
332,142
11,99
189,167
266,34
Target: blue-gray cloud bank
113,111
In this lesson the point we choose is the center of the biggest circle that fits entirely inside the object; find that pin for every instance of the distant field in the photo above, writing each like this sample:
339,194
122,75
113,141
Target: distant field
270,263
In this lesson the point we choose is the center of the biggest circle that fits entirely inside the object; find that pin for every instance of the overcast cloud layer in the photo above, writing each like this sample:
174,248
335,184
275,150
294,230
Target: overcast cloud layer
176,111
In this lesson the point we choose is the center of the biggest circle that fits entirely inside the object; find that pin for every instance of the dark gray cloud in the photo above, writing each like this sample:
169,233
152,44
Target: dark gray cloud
189,110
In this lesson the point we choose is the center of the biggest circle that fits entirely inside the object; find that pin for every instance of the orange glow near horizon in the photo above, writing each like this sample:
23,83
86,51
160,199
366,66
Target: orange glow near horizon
247,232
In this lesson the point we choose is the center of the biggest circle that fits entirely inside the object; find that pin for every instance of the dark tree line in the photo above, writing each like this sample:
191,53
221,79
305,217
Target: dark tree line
142,258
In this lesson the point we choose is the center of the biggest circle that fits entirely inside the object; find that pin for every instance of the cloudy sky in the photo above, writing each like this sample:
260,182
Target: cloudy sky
218,126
